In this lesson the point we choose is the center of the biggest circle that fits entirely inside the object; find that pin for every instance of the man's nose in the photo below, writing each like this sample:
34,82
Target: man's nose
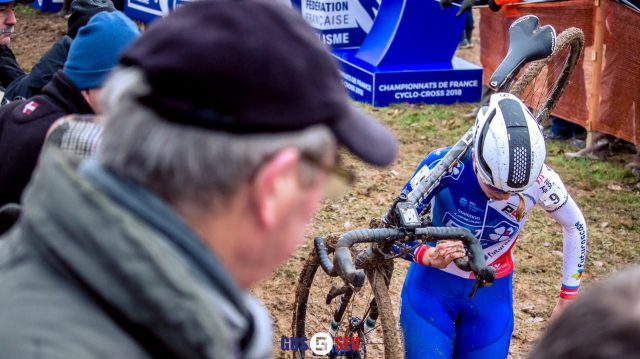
10,18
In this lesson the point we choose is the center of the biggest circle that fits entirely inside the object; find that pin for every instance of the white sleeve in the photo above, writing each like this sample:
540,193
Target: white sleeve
561,207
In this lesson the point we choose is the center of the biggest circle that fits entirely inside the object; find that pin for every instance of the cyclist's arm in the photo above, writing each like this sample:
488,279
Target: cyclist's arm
561,207
422,171
424,254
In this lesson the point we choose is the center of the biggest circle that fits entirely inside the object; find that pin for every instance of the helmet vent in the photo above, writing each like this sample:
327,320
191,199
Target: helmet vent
519,143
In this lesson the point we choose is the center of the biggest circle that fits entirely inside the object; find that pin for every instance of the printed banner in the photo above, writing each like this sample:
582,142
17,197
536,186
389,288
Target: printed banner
47,5
149,10
341,23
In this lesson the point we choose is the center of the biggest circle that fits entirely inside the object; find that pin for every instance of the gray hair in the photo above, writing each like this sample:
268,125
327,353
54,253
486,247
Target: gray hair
187,165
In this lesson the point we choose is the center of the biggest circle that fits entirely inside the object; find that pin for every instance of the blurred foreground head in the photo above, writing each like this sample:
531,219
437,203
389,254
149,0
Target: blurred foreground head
219,103
602,323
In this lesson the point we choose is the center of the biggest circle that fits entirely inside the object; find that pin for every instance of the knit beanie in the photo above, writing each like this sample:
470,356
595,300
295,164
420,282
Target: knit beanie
82,11
97,47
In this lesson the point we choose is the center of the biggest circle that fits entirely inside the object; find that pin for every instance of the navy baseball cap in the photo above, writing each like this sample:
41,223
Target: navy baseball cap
251,66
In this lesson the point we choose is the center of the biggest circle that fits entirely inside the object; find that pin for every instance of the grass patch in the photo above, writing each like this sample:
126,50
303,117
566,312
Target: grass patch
24,9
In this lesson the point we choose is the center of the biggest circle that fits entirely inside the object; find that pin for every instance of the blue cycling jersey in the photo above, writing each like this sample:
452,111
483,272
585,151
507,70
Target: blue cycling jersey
437,317
458,201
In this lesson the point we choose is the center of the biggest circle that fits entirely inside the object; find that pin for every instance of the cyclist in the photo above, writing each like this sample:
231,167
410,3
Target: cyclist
489,191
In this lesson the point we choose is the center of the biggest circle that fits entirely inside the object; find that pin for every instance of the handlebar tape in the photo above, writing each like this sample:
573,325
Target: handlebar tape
343,265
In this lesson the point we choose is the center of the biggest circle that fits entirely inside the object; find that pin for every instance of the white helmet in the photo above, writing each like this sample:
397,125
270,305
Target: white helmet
508,144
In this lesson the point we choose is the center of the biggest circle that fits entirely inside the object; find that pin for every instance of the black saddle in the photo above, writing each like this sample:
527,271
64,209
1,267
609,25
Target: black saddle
527,42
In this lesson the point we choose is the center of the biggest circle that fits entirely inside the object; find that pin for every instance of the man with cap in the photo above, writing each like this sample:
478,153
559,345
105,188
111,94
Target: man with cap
221,134
19,85
9,69
73,90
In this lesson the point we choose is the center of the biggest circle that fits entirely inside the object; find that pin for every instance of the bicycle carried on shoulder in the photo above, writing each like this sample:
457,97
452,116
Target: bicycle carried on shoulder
349,297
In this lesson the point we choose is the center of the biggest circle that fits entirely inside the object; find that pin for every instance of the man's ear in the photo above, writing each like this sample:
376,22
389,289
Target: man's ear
273,186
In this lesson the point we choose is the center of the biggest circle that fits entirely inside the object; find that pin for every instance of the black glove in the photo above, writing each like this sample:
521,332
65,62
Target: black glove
493,6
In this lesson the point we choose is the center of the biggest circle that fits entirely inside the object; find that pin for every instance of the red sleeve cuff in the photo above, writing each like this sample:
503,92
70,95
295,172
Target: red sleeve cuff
568,292
419,253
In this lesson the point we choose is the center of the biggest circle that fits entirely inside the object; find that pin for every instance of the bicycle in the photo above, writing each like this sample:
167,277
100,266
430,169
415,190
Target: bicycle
362,307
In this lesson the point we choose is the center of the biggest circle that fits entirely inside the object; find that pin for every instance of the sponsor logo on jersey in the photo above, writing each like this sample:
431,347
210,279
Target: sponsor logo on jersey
455,170
577,275
502,233
474,207
451,220
510,210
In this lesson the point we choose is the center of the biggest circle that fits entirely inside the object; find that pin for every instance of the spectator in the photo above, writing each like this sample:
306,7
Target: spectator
68,6
562,130
466,42
603,323
78,135
28,85
9,69
213,159
73,90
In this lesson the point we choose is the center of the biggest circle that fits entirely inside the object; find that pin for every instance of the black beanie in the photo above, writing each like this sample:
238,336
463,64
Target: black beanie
82,11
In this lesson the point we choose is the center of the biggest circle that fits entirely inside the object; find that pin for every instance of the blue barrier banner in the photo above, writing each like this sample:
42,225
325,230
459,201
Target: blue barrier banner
340,23
47,5
149,10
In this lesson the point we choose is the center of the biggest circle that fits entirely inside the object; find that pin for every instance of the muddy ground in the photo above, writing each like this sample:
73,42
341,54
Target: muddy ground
610,203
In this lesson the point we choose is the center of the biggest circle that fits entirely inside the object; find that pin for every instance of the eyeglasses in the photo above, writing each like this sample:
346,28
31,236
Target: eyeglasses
8,6
339,179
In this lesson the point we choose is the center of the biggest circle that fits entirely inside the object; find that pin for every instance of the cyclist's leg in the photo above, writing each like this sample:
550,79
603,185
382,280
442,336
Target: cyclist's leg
486,325
427,312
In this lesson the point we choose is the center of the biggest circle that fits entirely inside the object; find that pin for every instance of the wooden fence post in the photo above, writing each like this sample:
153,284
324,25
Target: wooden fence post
596,57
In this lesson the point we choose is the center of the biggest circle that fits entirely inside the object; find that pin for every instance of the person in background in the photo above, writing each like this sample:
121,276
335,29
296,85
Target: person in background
603,323
466,42
28,85
211,166
74,90
9,69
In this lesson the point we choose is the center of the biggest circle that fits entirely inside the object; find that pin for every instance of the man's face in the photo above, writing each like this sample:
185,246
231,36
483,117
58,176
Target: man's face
92,96
8,20
285,211
303,202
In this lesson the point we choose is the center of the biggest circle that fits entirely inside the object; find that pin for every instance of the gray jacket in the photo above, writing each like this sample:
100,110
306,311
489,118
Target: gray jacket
99,268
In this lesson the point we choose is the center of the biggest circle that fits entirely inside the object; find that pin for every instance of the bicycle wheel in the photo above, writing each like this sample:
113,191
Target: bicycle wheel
370,304
541,83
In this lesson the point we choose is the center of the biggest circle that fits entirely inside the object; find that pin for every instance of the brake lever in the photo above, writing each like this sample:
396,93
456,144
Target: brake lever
479,283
